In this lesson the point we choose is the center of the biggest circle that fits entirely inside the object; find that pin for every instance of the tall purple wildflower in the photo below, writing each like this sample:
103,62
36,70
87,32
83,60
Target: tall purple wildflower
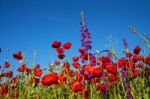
125,43
125,80
85,34
126,84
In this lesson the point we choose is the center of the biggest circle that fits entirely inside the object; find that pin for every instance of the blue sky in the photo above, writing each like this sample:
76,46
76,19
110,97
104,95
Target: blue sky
33,24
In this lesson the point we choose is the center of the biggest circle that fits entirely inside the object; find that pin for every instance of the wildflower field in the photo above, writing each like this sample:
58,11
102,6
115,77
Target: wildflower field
98,75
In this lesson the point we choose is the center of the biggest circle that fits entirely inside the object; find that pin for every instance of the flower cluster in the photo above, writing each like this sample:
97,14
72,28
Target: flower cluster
60,50
104,75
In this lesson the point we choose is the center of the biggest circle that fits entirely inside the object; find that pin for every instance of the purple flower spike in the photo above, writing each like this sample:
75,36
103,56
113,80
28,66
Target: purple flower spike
85,34
125,43
126,84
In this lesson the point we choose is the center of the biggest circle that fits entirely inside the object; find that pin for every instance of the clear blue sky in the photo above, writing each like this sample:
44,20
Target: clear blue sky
33,24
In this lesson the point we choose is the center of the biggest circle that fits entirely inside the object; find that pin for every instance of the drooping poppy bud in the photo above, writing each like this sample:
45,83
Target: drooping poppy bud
56,44
137,49
67,45
60,50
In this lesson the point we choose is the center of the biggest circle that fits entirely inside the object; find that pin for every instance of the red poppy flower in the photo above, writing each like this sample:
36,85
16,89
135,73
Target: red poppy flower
121,62
61,56
76,64
66,65
37,66
148,60
86,69
38,72
130,65
81,50
35,81
49,79
14,79
135,58
67,45
70,72
60,50
112,78
57,62
141,58
4,91
101,87
135,72
75,58
104,60
56,44
96,71
79,77
85,56
22,68
77,87
7,65
62,79
111,69
137,49
7,74
82,56
28,70
128,54
18,55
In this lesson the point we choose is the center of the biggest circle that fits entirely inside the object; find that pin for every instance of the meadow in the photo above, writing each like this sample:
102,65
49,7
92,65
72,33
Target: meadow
98,75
